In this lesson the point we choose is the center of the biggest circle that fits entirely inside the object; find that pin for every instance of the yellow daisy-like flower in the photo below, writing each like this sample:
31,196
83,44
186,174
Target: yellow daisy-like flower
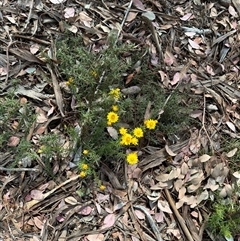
82,174
123,131
102,187
150,124
138,132
70,81
134,141
84,166
126,139
132,158
112,117
115,108
85,152
115,93
41,149
94,73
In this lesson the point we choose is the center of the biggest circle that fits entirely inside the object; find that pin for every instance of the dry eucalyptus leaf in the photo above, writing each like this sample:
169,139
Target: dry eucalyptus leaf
232,11
179,204
196,178
109,221
112,132
38,222
85,211
184,168
73,29
147,114
95,237
149,15
232,152
138,4
204,158
164,206
139,214
193,44
169,151
162,177
178,184
237,174
203,196
231,126
176,78
161,185
57,1
220,179
174,173
190,200
181,193
186,17
217,170
226,191
193,188
159,217
152,197
13,141
71,200
37,194
131,90
34,48
69,12
169,58
211,184
131,16
119,206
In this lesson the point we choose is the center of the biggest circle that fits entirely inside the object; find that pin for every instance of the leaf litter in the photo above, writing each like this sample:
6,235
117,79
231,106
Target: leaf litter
167,179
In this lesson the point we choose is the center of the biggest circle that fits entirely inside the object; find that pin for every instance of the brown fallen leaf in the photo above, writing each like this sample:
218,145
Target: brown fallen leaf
109,221
129,78
236,4
13,141
25,55
57,91
138,4
95,237
169,151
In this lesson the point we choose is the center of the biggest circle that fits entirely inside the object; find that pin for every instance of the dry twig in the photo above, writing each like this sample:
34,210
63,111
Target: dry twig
150,221
7,54
179,217
20,169
124,19
203,123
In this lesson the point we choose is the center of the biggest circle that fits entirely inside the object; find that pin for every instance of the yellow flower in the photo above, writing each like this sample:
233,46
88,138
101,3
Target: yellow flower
41,149
150,124
70,81
115,93
94,73
102,187
85,152
132,158
134,141
109,123
123,131
138,132
115,108
84,166
126,139
82,174
112,117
